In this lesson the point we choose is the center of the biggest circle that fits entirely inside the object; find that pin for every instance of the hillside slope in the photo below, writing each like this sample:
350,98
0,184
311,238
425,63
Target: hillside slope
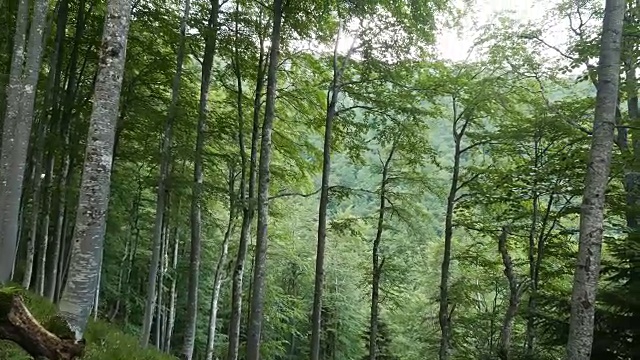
104,341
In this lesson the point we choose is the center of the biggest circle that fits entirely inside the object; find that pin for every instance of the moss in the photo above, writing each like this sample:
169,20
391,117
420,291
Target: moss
6,297
104,341
59,326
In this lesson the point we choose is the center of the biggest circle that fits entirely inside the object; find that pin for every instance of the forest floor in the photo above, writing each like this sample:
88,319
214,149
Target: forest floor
104,341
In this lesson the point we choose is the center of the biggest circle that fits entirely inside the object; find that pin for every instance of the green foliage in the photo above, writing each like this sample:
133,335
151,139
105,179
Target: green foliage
524,135
104,341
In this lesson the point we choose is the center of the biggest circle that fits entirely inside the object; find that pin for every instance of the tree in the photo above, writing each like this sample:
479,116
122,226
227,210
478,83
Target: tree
592,212
165,162
21,96
259,266
196,200
332,102
86,254
247,191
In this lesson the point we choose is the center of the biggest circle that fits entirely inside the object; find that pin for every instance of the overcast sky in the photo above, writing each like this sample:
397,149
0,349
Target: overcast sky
456,48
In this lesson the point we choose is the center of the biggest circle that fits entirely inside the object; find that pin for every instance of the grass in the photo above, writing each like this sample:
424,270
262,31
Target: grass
104,341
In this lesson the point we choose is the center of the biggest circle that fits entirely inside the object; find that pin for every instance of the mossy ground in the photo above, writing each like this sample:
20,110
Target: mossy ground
104,341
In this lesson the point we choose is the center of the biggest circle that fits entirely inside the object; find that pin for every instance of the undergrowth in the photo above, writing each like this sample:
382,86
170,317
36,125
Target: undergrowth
104,341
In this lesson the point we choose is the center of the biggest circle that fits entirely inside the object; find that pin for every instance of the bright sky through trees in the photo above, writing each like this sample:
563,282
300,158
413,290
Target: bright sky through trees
455,45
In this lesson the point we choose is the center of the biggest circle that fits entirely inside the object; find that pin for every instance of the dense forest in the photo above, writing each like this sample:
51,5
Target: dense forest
309,179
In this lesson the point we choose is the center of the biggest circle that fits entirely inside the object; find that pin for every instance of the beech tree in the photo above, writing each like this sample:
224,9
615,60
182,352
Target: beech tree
585,283
86,254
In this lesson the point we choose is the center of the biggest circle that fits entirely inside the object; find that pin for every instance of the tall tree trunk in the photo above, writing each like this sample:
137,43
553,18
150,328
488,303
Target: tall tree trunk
196,202
80,289
533,229
259,270
332,101
587,270
17,128
376,262
56,66
65,173
222,260
460,124
248,208
167,140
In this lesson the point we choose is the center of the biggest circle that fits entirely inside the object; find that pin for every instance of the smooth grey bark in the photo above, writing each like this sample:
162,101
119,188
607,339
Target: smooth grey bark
332,102
17,128
247,191
222,260
173,294
86,256
587,270
259,266
376,262
167,140
196,201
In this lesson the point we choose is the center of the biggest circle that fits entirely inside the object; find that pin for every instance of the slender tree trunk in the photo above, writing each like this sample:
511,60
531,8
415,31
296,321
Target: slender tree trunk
96,300
121,272
222,260
164,265
259,270
248,209
160,286
376,262
532,305
196,202
592,212
173,294
41,269
17,128
167,140
80,289
130,255
65,177
52,270
332,101
35,213
504,350
445,311
66,236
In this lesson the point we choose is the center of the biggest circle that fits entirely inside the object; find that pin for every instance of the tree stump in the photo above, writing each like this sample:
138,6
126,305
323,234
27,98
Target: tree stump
18,325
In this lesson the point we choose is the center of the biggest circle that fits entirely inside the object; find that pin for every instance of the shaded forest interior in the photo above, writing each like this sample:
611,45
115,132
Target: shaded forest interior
307,179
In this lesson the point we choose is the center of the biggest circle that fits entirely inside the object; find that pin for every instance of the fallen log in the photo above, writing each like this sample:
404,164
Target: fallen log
18,325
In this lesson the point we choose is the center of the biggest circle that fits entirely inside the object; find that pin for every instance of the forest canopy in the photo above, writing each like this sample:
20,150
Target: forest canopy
295,179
